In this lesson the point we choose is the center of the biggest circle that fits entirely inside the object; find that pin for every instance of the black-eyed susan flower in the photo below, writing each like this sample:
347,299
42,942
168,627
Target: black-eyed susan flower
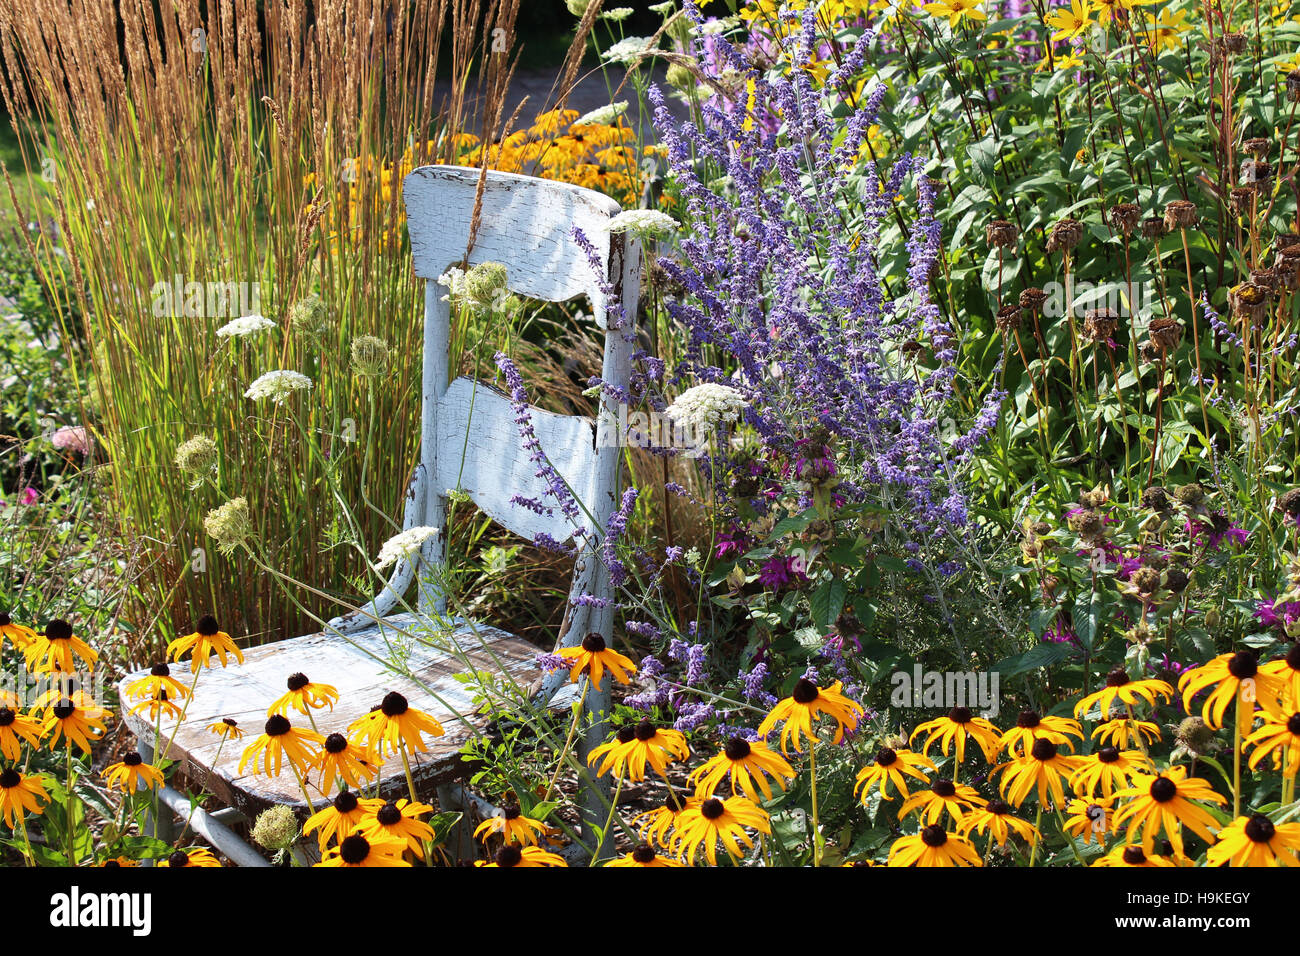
593,657
644,855
629,753
1044,768
394,723
74,716
1287,671
19,796
57,650
933,846
512,855
1108,769
158,706
17,634
226,728
1165,800
1120,687
996,819
1121,733
942,795
208,639
513,826
131,773
713,820
747,765
1090,820
198,856
340,758
158,680
1234,677
399,820
657,824
14,729
356,850
952,730
1279,736
806,702
303,696
118,862
1132,856
1030,727
888,767
340,818
281,739
1256,841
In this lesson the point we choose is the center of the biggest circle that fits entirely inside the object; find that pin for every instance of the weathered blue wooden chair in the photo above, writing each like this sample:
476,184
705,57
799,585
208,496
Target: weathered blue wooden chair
469,441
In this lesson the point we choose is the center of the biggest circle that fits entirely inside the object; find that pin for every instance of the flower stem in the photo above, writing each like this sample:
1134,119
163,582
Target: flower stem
817,833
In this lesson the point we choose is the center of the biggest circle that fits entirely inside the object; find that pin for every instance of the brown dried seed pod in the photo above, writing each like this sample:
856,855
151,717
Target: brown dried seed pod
1290,503
1176,580
1256,173
1240,199
1180,214
1249,301
1282,240
1165,334
1265,278
1153,227
1100,325
1001,234
1293,86
912,349
1124,217
1032,299
1256,146
1065,235
1234,42
1156,498
1008,318
1287,265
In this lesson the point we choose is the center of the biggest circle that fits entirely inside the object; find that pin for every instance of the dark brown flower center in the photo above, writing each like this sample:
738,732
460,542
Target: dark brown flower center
5,619
179,858
64,709
998,807
354,849
645,731
1243,665
1260,828
712,808
10,778
736,749
509,855
1293,723
1043,749
959,715
1293,657
1108,754
673,802
805,692
1028,719
346,802
388,814
108,864
593,643
394,704
626,734
160,670
1133,855
336,744
7,716
230,722
934,835
133,759
58,630
298,681
1117,678
643,854
943,788
207,626
278,726
510,812
886,757
1163,790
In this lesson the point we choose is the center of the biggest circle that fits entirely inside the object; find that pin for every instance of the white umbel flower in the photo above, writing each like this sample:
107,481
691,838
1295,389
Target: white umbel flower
643,223
603,116
629,50
404,545
277,386
244,326
617,15
704,407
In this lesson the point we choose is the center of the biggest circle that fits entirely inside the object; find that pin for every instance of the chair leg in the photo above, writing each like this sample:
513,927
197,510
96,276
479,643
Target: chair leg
460,841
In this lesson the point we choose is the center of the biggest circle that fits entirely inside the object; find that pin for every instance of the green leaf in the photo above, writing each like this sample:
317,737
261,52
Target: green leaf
1040,655
827,601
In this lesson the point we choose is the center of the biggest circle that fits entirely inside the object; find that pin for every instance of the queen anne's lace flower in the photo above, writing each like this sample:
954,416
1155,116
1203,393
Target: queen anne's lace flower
244,326
628,50
277,386
231,524
704,407
603,116
403,545
644,223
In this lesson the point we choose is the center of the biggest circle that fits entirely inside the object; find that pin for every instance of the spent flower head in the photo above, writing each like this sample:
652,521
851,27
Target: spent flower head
231,524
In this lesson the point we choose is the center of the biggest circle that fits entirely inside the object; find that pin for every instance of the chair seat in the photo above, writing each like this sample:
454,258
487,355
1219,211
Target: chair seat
352,664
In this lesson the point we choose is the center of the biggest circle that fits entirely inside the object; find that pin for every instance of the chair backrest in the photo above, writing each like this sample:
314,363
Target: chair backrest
470,438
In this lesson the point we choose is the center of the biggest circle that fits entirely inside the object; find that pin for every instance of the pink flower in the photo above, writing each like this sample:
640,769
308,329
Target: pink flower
29,496
72,438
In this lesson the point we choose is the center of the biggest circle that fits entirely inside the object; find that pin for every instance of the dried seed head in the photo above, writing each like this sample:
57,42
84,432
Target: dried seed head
1181,214
1233,42
1100,325
1146,580
1165,334
1190,494
1282,240
1176,580
1240,199
1124,217
1290,503
1065,235
1153,227
1008,318
1001,234
1249,301
1257,146
1087,524
1256,173
1032,299
1156,498
1265,279
1293,86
